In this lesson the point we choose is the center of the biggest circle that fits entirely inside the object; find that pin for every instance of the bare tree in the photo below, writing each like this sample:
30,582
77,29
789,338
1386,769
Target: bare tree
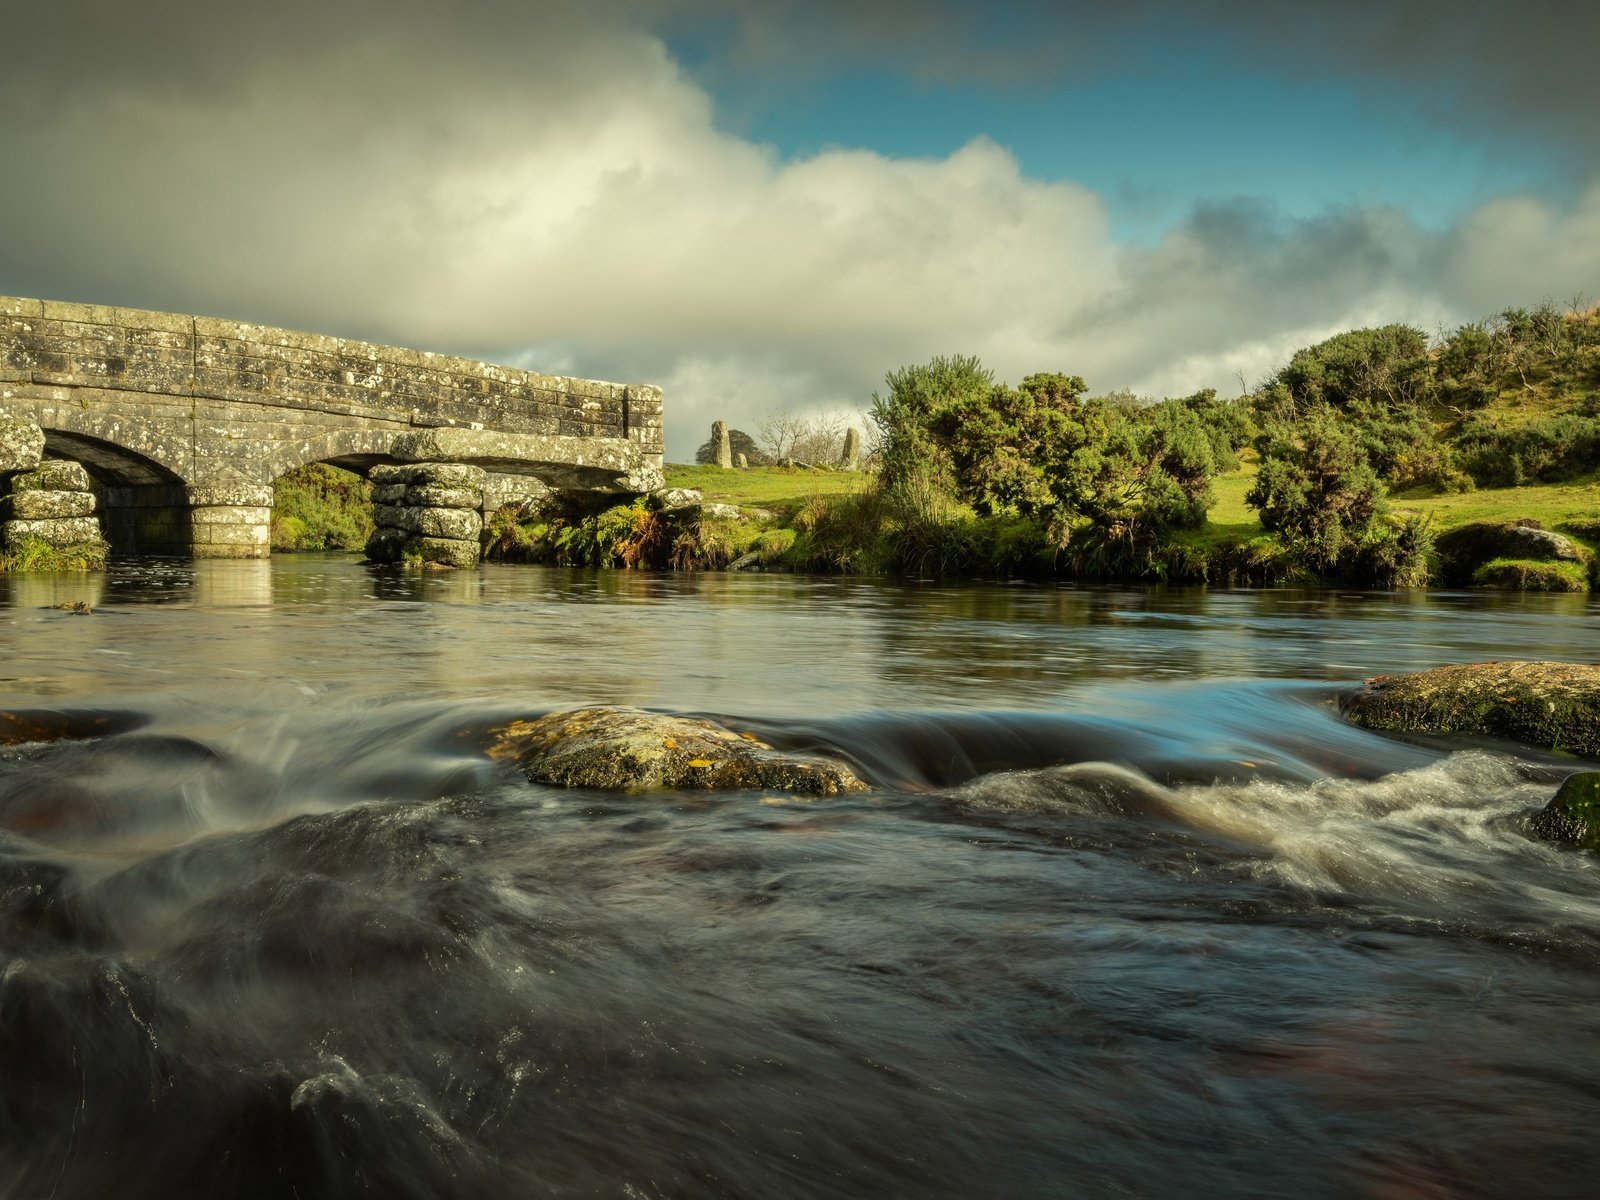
814,440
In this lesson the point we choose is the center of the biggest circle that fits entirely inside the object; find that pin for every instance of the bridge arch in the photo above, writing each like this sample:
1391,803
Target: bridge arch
143,506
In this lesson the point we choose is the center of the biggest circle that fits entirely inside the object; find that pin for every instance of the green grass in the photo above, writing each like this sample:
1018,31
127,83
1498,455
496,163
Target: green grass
1551,504
783,489
32,554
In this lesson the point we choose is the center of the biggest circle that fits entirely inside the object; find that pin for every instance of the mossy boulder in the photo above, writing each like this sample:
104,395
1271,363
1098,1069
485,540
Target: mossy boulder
1574,814
1523,575
1465,549
624,749
1550,704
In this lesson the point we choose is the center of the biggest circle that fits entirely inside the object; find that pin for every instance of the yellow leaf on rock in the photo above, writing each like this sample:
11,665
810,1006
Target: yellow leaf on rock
670,743
701,762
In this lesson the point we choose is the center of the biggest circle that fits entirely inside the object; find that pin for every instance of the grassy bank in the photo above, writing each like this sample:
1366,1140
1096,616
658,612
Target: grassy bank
822,521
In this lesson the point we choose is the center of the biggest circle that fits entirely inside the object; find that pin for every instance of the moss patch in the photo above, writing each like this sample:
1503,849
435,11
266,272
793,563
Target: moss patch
1574,815
1525,575
1555,705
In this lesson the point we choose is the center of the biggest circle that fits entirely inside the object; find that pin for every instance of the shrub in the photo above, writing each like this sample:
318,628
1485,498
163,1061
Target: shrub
321,507
1317,492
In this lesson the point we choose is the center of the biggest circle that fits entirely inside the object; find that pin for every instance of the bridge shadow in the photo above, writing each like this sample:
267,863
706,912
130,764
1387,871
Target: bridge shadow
143,508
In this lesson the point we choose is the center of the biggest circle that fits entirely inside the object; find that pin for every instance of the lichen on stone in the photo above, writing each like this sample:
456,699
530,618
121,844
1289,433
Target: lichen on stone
622,749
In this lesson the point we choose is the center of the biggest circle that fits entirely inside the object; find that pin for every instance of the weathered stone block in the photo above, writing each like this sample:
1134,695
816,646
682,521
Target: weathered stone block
230,514
69,531
459,523
427,495
53,475
45,506
230,492
441,474
389,545
230,535
21,445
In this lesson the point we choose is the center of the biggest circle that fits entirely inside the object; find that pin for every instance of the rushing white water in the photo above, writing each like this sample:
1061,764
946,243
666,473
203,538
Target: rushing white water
1127,910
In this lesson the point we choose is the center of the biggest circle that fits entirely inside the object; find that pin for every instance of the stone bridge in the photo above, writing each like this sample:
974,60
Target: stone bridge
183,422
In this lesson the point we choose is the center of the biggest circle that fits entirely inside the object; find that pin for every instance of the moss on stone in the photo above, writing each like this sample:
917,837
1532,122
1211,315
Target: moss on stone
1550,704
1573,816
1526,575
35,554
621,749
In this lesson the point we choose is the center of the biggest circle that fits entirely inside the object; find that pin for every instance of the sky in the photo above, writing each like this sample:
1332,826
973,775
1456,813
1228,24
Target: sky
765,207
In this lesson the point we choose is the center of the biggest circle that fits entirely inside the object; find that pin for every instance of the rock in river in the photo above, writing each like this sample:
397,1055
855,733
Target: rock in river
1574,815
1551,704
624,749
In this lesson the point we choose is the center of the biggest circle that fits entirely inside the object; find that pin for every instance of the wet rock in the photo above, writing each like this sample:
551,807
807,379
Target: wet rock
1465,549
67,531
621,749
388,545
1550,704
1574,814
18,726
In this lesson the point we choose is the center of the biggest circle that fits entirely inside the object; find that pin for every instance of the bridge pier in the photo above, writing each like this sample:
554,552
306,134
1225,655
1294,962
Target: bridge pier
230,519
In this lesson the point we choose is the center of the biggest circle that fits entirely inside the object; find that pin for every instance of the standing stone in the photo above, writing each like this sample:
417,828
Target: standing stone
744,461
852,450
719,435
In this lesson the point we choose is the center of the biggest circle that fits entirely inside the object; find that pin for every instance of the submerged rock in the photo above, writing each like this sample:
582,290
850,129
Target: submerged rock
1551,704
1574,814
623,749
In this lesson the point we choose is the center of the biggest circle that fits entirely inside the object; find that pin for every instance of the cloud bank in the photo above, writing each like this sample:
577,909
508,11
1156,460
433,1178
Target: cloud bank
545,184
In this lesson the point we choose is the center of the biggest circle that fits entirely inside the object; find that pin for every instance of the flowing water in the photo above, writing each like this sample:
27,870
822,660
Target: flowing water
1127,911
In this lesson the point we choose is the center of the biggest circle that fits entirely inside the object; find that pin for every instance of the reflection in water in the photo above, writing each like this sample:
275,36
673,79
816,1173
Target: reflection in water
1128,910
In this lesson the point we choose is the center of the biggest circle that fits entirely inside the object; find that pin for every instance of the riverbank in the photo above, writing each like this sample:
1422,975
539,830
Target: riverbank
806,519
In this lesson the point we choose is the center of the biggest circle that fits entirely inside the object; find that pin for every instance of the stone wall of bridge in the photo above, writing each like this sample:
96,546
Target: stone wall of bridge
150,402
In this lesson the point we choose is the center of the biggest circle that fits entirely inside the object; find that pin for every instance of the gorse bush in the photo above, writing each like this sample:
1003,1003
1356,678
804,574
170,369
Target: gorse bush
1319,494
321,507
1545,451
1093,471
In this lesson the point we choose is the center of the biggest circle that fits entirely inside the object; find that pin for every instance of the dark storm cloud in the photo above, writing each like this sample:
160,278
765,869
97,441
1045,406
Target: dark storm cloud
1526,67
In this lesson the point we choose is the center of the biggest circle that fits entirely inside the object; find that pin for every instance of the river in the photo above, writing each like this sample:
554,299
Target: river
1127,911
